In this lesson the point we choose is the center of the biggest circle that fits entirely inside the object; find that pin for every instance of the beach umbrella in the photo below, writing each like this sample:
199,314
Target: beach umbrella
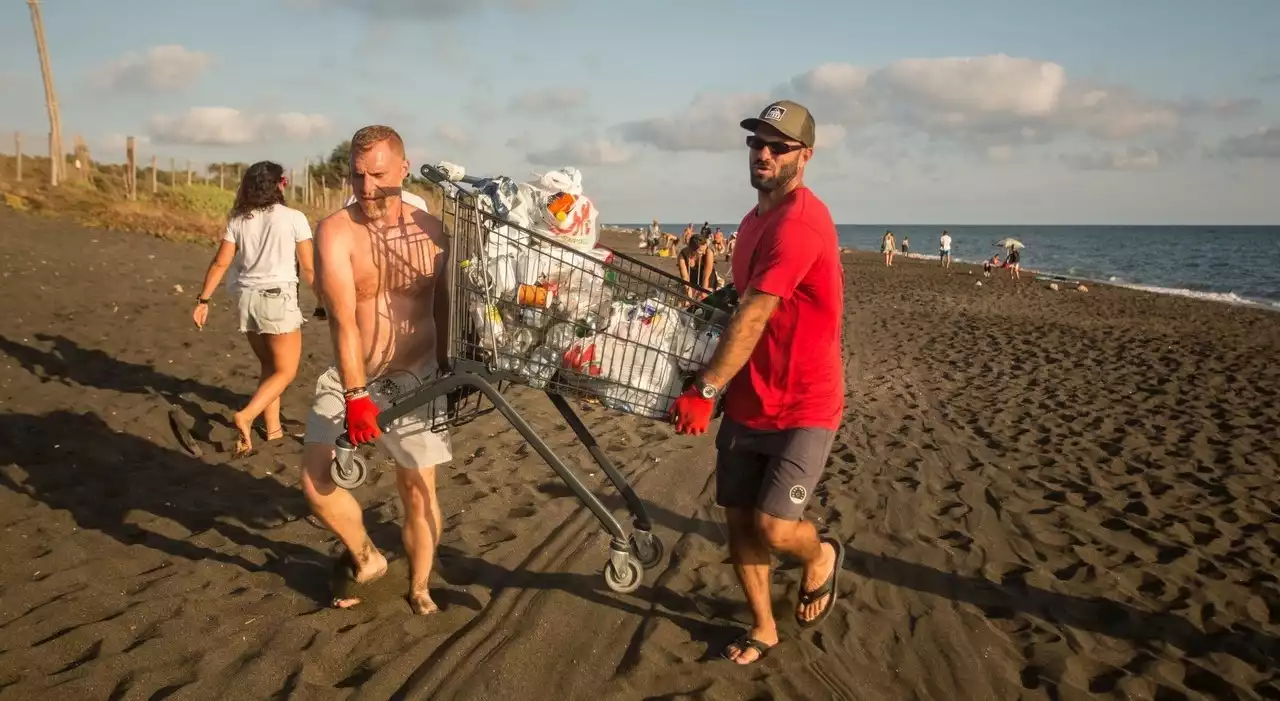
1007,243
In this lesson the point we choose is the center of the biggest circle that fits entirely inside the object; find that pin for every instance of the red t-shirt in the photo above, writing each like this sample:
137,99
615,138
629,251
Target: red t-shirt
795,376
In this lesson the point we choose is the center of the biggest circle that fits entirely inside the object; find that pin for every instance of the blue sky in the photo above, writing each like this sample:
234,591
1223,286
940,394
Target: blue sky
989,111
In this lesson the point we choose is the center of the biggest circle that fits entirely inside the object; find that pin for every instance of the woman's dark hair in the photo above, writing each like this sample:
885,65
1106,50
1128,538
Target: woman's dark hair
259,189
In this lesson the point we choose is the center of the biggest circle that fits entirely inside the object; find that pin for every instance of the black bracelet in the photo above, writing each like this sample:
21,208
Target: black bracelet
354,392
202,300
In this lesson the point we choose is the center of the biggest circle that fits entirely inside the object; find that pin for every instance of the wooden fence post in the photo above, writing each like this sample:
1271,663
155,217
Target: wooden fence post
131,174
173,171
53,159
153,175
188,171
17,152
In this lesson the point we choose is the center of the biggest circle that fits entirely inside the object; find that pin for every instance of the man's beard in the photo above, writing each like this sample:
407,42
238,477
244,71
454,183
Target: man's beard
786,173
375,208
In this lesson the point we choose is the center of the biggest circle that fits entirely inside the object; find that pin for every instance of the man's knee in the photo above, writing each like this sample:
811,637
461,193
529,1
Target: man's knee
417,489
317,481
775,532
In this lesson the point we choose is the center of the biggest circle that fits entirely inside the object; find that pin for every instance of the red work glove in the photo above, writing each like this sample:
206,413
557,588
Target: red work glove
691,412
362,419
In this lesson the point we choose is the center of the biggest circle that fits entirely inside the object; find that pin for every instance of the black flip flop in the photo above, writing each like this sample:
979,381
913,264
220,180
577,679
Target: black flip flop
828,587
390,586
746,642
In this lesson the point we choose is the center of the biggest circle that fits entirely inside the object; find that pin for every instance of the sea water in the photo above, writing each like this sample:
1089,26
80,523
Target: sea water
1238,264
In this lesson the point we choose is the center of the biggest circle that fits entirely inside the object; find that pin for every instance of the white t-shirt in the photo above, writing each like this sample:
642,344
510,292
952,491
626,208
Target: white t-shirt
405,196
946,242
266,247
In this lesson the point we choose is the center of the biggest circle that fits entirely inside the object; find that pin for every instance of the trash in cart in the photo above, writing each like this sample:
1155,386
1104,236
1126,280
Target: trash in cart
559,313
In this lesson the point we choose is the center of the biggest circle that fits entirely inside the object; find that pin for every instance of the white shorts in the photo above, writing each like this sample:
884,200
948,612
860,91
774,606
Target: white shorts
409,440
270,310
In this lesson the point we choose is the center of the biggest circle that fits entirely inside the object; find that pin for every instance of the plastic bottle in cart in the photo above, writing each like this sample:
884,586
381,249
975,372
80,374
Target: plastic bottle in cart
488,321
561,336
542,364
519,341
479,278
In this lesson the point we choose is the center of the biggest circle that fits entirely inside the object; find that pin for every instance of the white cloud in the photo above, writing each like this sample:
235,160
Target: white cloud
581,153
1116,114
990,105
520,141
834,92
1131,158
453,135
481,107
996,84
1226,108
710,123
226,126
161,69
1261,144
829,135
1000,153
423,10
549,100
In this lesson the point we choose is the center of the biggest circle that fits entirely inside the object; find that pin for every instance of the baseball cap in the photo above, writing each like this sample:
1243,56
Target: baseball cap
790,118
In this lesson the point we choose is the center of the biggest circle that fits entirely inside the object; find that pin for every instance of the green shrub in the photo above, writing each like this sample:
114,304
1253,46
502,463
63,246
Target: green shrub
206,200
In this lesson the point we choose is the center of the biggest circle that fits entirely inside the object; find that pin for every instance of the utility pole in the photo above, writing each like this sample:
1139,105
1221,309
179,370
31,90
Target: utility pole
57,157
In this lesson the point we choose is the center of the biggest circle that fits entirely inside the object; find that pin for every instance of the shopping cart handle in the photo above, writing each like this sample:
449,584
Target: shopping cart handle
437,176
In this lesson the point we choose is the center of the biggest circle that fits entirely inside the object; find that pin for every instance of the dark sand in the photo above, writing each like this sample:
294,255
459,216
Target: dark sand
1046,495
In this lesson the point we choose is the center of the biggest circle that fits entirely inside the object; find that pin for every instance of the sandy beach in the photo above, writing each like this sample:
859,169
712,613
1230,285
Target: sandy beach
1045,495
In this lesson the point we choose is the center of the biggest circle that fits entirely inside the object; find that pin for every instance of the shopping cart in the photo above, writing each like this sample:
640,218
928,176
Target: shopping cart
527,310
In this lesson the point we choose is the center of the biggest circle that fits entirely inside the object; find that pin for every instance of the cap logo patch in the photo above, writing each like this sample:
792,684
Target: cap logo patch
774,113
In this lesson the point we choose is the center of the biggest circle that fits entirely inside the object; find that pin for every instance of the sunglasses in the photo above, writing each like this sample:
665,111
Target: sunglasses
777,148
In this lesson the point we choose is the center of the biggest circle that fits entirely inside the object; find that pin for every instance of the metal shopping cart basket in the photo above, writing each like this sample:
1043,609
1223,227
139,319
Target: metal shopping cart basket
597,327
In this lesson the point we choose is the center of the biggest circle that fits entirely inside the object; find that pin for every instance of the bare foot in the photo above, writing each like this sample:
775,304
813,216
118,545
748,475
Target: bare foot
244,443
370,565
421,603
742,653
814,577
275,435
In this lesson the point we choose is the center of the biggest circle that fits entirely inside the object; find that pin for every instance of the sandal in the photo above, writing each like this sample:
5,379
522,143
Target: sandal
828,587
742,644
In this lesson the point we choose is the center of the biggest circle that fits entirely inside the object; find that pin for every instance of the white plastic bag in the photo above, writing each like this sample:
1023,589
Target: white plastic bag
650,323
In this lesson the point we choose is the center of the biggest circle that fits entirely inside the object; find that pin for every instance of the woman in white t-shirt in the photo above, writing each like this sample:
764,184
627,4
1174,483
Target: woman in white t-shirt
262,242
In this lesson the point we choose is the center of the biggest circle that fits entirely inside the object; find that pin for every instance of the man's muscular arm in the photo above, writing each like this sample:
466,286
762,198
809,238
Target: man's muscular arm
741,337
337,284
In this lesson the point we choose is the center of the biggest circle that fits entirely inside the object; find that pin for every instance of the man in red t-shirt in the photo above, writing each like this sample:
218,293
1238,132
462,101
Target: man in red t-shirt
780,370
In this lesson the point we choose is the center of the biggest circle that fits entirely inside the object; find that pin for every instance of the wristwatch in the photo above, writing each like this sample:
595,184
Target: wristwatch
706,389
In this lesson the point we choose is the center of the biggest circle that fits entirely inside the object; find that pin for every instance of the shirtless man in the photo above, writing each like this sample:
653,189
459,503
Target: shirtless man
381,265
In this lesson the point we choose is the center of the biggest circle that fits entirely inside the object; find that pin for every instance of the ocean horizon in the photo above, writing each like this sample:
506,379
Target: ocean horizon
1228,263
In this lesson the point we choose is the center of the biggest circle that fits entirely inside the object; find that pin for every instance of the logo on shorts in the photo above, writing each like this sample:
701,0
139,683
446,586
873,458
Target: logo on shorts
797,494
774,114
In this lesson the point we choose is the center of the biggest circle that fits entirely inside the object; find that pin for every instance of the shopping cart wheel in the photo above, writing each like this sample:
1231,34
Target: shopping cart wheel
351,475
626,581
646,548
